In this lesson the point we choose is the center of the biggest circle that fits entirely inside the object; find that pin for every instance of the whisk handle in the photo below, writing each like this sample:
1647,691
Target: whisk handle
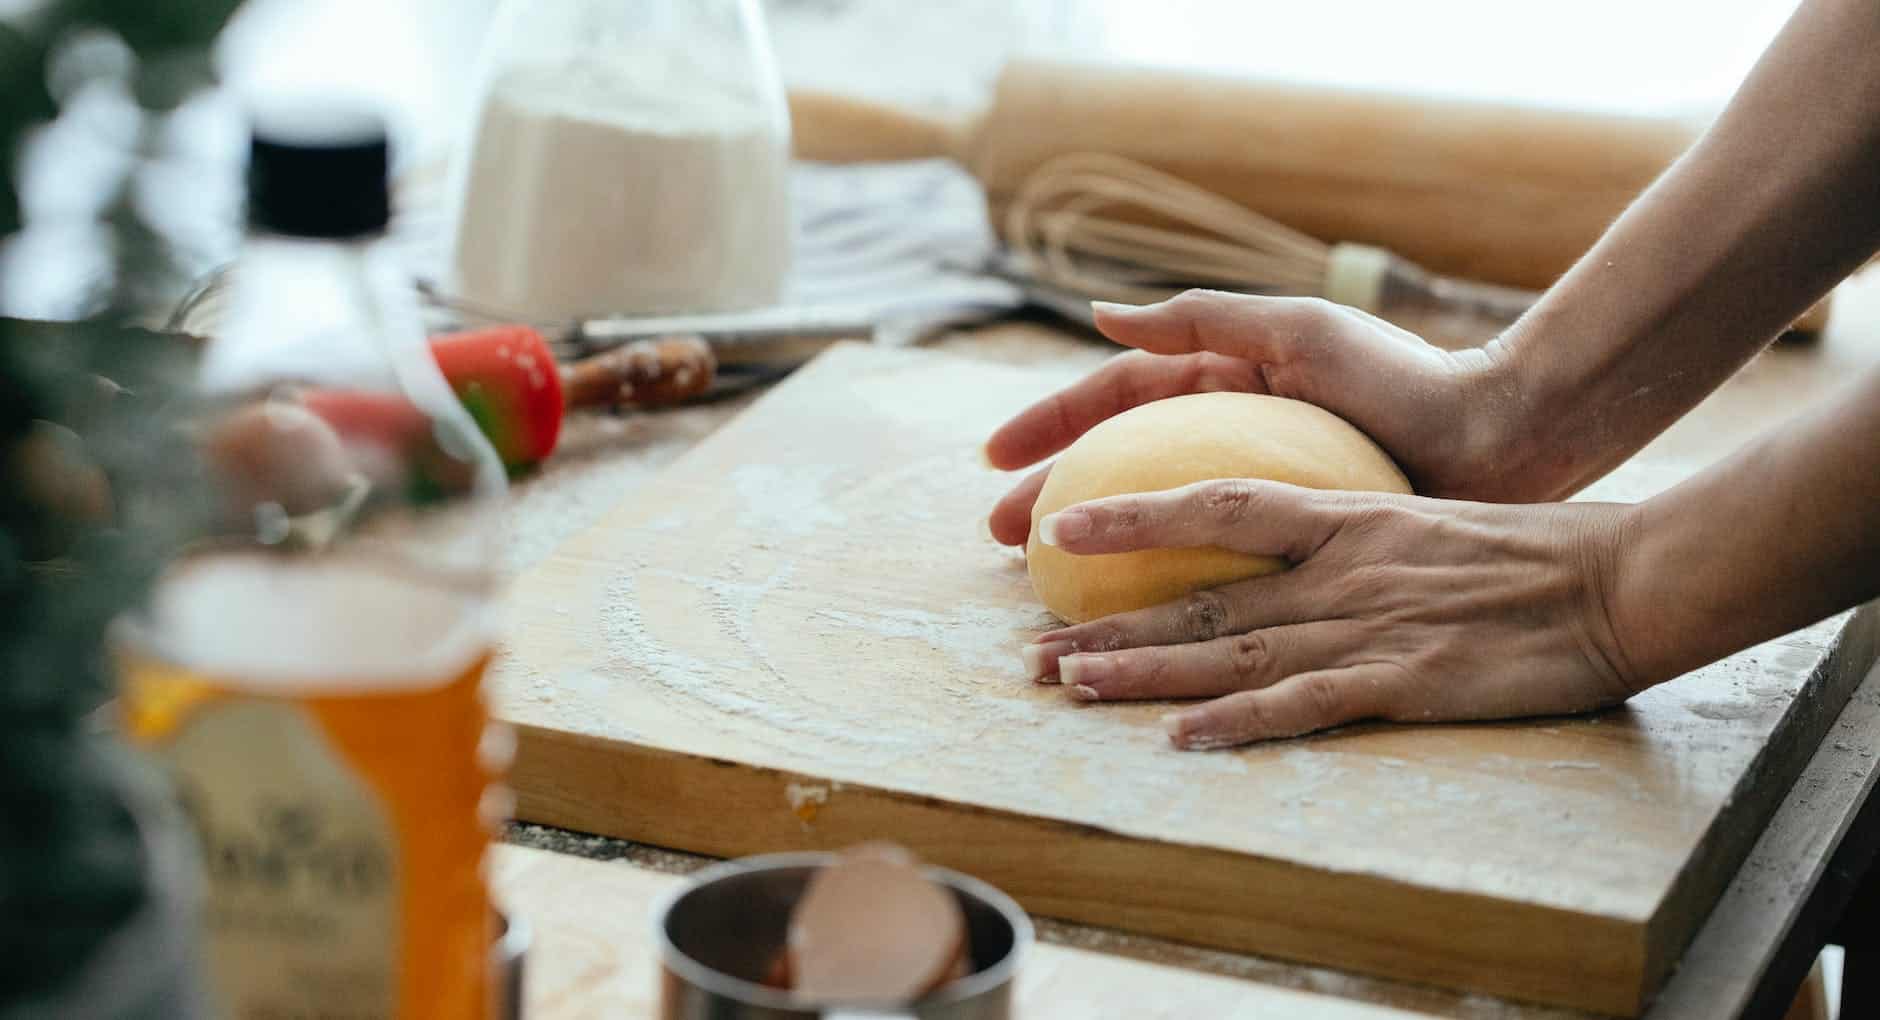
1385,284
1487,301
1446,310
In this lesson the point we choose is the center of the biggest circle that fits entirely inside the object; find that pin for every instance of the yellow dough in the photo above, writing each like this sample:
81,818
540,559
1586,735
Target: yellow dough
1170,443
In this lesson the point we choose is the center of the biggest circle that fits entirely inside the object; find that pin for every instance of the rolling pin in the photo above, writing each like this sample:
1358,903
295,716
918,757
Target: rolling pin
1493,192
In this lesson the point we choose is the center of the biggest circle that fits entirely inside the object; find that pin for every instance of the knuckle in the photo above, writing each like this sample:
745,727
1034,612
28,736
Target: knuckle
1400,697
1122,374
1248,656
1062,418
1153,672
1231,501
1257,720
1203,314
1204,615
1323,697
1199,301
1316,309
1101,637
1308,317
1123,515
1371,517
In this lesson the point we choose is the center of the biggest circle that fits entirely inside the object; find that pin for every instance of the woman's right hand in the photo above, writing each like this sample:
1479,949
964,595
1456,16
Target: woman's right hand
1446,417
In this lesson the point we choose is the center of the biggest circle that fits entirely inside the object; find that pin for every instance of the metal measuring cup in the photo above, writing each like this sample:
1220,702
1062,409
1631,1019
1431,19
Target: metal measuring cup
719,935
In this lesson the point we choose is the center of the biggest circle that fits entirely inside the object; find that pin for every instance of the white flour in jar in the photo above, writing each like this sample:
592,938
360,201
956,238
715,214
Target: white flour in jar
596,189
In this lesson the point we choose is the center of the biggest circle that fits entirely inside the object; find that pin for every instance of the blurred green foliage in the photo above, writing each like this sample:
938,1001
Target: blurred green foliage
88,475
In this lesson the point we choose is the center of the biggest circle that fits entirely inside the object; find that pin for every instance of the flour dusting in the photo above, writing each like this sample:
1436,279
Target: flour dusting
785,498
710,690
976,637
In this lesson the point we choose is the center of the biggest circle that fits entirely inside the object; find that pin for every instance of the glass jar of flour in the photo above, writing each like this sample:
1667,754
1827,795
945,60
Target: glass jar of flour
629,157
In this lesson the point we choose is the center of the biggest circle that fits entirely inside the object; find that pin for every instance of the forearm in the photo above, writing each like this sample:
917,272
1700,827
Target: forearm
1772,207
1782,534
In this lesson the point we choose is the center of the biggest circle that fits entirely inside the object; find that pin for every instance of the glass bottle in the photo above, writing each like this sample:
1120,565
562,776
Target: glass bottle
628,157
310,669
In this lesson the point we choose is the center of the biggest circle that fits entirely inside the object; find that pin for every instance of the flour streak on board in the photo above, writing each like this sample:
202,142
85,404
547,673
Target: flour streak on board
709,685
784,499
977,638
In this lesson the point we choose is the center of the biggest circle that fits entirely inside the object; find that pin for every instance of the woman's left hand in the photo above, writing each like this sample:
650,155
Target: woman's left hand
1395,607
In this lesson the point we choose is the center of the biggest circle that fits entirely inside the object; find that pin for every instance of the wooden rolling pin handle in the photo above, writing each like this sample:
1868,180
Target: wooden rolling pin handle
830,128
644,373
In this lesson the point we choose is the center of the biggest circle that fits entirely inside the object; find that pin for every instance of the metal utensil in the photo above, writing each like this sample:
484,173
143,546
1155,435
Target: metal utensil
719,935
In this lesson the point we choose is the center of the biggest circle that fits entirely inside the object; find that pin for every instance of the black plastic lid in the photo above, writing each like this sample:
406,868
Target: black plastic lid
319,173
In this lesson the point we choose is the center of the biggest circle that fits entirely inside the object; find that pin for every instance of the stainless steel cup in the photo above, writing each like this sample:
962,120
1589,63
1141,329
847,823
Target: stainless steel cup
719,935
508,952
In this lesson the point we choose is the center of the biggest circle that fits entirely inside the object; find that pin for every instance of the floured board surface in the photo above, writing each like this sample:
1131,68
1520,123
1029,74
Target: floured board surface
800,636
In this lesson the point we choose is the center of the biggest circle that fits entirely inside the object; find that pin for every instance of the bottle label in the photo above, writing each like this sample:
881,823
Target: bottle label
301,861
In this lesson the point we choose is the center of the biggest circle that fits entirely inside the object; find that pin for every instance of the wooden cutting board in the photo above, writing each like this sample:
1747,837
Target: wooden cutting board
800,636
591,956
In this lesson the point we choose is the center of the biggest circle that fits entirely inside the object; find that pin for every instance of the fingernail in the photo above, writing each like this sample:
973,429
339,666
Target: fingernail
1083,670
1063,526
985,456
1111,308
1172,723
1084,692
1187,735
1041,661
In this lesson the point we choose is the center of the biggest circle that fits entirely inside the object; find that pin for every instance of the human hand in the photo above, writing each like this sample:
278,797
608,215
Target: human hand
1396,607
1442,415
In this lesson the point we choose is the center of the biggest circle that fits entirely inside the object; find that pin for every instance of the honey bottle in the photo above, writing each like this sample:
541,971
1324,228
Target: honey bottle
309,671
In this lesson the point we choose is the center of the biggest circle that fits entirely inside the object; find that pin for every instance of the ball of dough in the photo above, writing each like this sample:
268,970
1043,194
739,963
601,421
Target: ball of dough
1170,443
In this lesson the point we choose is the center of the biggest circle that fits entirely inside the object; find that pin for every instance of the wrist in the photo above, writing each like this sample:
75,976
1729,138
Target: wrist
1506,455
1616,561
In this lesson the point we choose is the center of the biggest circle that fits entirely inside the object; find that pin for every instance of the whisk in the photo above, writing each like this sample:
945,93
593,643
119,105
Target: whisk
1113,229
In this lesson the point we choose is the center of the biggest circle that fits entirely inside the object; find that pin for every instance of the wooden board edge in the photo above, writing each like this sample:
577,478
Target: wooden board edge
1735,829
1232,901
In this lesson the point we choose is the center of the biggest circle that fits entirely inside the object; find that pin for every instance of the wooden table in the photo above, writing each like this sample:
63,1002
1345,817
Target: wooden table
1757,943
